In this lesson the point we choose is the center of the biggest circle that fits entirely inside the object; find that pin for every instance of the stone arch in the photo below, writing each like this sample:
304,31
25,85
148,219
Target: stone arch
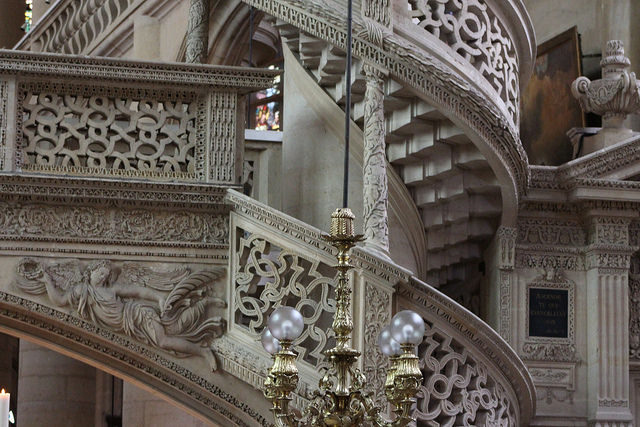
211,397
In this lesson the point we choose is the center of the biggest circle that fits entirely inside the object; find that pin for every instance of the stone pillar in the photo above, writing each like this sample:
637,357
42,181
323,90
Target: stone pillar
375,192
54,390
198,32
607,262
500,265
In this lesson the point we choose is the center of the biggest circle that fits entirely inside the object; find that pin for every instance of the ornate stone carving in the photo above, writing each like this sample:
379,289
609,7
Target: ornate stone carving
552,352
224,139
471,29
609,231
82,129
377,315
376,17
198,32
87,337
471,338
74,27
31,221
4,96
616,95
374,165
157,74
458,389
167,310
544,257
311,237
506,303
268,276
552,232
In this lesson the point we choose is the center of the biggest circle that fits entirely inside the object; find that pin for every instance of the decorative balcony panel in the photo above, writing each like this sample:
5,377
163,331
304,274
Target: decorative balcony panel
471,375
101,117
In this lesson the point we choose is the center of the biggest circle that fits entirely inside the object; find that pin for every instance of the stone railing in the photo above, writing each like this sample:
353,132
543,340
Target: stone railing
72,26
471,374
99,117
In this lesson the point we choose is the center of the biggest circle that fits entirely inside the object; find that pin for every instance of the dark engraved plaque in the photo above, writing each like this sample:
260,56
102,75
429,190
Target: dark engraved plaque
548,313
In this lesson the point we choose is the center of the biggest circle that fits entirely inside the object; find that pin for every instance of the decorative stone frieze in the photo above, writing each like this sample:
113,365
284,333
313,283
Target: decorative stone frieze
198,32
169,310
110,225
374,164
92,340
377,315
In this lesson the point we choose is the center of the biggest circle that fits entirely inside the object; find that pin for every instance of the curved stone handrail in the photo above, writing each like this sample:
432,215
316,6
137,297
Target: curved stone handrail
70,26
486,363
277,259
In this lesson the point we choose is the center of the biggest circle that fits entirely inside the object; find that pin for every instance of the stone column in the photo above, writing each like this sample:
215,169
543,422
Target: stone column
500,265
54,390
607,262
376,227
198,32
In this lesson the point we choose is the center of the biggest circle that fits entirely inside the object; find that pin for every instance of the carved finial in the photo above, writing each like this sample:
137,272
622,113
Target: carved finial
613,97
342,223
614,55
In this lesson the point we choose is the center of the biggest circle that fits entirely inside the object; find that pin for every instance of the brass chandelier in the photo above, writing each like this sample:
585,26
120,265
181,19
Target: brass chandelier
341,399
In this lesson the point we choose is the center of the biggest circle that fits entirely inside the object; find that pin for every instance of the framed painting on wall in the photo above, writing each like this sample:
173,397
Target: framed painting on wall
548,108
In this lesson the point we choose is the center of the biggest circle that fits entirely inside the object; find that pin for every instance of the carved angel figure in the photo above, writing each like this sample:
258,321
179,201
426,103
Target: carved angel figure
167,310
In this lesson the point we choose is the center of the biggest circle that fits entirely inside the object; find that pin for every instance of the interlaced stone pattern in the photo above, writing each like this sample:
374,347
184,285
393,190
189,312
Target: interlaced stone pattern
269,276
471,29
114,131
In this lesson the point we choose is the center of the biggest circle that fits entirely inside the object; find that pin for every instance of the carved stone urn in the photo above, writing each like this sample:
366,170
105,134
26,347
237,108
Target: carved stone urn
613,97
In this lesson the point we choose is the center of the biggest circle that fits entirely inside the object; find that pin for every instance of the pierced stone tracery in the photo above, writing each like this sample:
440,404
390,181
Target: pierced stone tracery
103,130
471,29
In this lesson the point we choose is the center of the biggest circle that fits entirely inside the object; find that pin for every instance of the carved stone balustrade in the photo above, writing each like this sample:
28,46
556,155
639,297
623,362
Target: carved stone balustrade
94,117
71,26
471,375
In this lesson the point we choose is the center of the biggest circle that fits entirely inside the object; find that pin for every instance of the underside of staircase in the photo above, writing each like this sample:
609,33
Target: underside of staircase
450,181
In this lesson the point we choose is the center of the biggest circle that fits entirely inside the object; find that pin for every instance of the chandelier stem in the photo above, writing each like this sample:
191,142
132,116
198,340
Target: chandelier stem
347,109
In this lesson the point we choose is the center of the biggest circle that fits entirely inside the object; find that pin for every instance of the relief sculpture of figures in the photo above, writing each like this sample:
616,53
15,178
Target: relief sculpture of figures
167,310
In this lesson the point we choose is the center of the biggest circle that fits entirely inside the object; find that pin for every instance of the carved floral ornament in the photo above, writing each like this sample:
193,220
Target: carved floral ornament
614,96
173,310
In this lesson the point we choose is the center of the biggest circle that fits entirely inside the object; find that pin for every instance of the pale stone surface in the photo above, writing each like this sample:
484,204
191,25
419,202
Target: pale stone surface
61,396
143,409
